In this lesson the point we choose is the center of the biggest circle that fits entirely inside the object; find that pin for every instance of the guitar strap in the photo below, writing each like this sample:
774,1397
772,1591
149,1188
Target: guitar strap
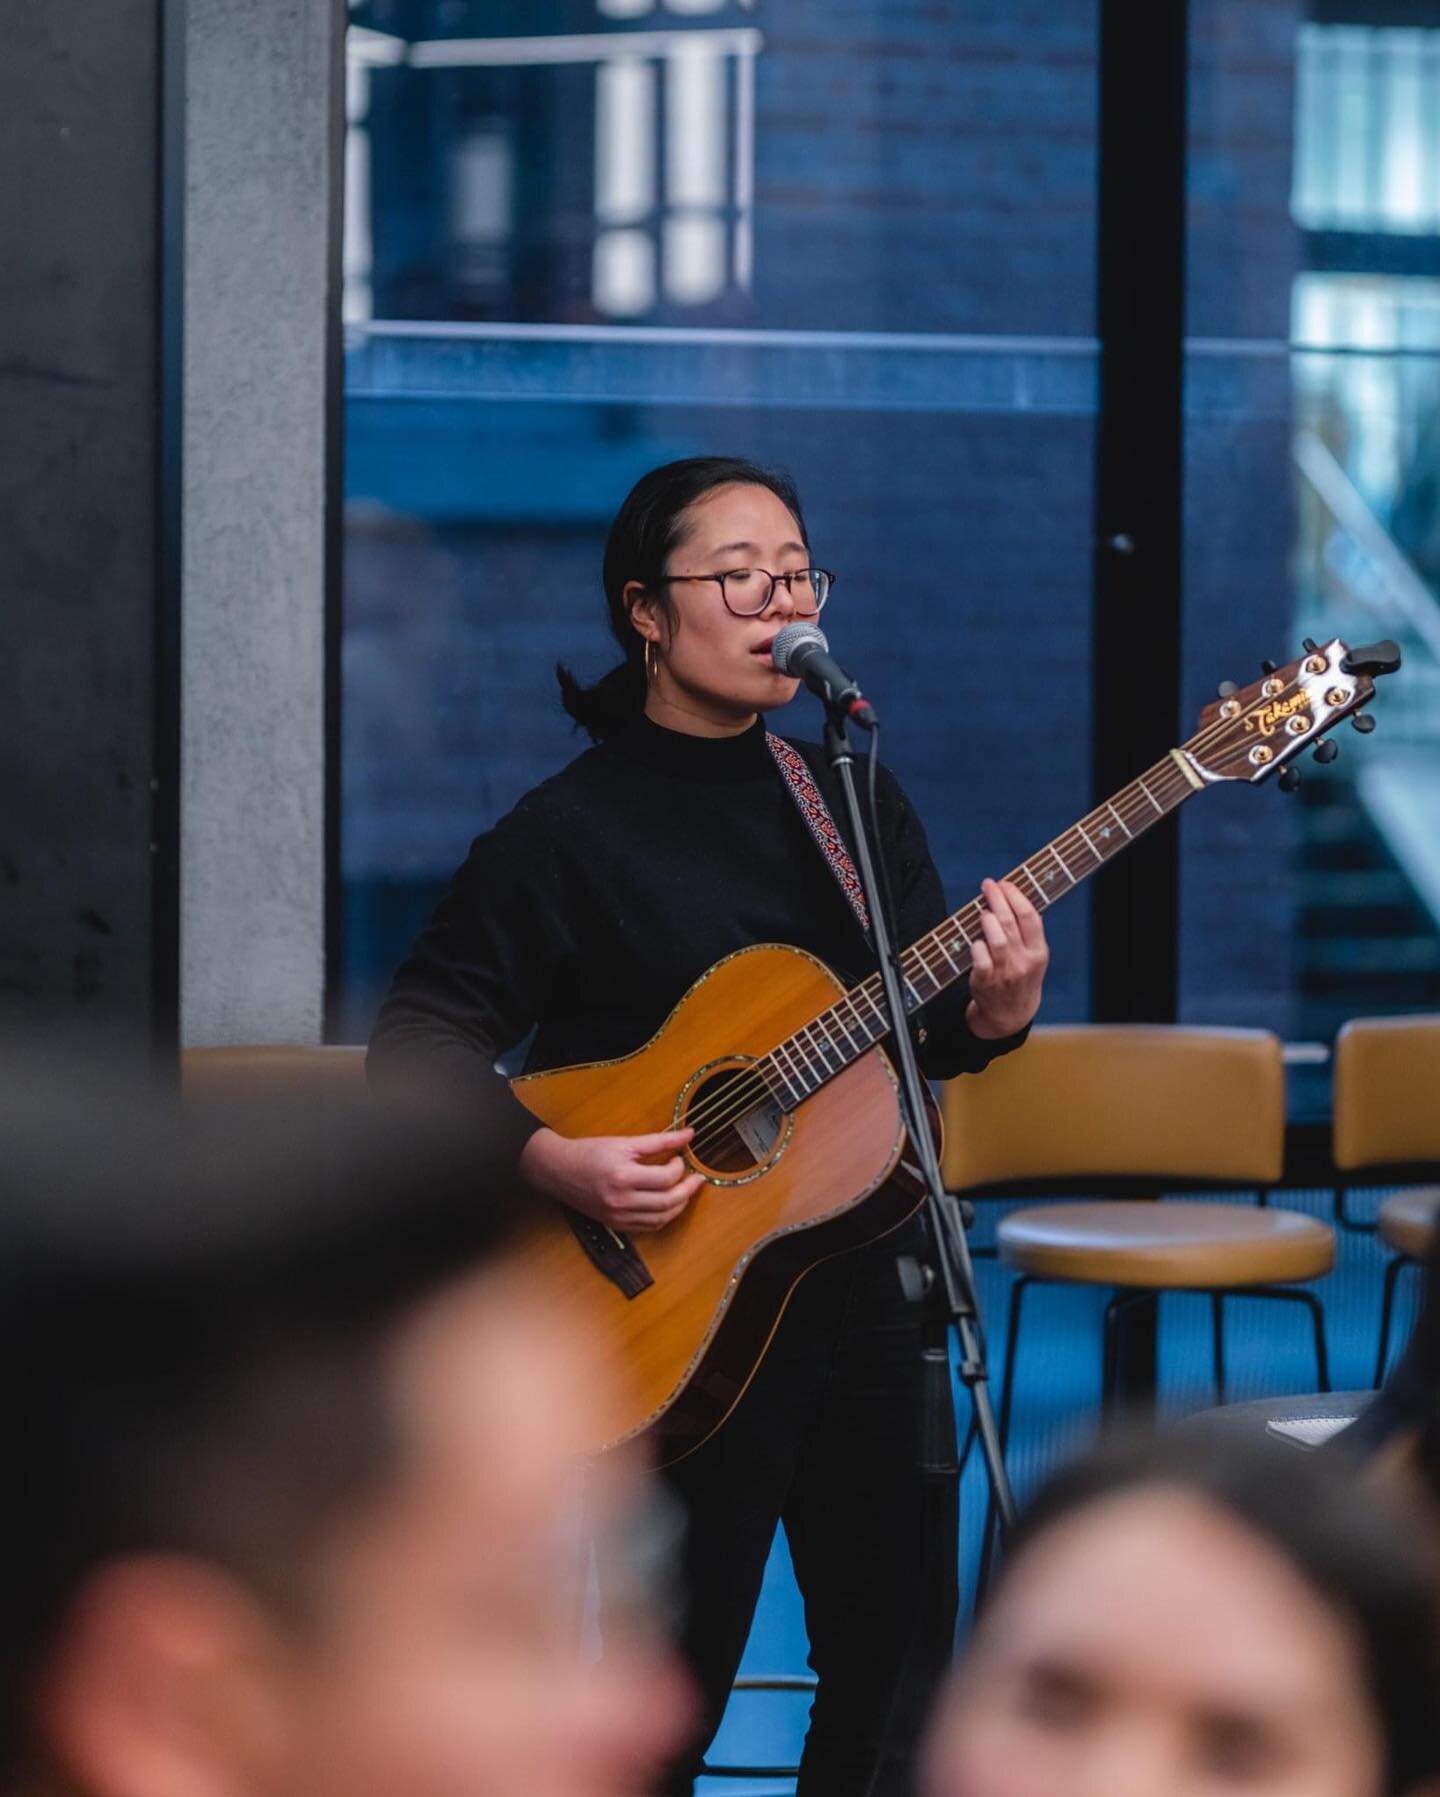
810,803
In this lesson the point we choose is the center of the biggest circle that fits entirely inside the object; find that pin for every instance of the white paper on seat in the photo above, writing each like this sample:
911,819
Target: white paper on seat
1308,1431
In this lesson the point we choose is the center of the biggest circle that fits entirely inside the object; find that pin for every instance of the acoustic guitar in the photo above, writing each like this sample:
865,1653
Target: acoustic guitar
782,1075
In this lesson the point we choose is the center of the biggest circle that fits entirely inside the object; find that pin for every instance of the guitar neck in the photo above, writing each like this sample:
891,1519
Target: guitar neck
803,1062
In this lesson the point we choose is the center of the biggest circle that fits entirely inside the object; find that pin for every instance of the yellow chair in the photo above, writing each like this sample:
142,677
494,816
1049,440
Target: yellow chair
1387,1128
1138,1110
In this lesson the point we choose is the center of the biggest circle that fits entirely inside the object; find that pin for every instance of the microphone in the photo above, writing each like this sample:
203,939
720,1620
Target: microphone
803,652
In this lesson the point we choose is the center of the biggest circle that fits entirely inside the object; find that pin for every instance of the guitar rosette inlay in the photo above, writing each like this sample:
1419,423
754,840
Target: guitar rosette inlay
741,1128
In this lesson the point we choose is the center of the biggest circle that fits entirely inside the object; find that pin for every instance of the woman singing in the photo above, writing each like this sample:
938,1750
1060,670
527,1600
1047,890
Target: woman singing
585,915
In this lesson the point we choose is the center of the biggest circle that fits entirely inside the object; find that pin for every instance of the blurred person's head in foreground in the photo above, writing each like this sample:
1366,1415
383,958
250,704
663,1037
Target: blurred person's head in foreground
290,1500
1177,1618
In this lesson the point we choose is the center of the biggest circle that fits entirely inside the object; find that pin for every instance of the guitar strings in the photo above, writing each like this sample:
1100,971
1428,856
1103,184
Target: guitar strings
752,1091
719,1111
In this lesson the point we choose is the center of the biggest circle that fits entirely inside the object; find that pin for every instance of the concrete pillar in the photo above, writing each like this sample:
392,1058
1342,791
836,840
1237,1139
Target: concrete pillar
261,259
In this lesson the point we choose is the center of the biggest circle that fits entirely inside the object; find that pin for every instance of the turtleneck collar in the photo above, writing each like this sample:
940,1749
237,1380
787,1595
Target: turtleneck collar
718,760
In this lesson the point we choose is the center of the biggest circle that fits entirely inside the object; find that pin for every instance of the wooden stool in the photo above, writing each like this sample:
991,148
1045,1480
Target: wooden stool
1224,1250
1142,1109
1387,1128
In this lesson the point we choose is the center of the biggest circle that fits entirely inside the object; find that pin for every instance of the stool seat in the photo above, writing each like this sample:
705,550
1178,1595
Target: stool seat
1407,1221
1166,1246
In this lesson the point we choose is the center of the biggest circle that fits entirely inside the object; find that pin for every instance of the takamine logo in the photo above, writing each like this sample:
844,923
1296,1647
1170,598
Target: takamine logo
1269,717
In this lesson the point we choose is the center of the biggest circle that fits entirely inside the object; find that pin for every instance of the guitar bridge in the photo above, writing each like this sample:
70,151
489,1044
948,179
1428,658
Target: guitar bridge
611,1253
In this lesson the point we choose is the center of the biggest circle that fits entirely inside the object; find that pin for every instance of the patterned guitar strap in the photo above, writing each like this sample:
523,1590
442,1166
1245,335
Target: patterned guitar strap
810,803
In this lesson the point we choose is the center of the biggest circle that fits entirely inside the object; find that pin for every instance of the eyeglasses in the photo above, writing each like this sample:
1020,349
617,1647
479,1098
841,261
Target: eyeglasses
747,591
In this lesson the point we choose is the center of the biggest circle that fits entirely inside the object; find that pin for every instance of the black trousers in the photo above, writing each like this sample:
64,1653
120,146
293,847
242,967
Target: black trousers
825,1441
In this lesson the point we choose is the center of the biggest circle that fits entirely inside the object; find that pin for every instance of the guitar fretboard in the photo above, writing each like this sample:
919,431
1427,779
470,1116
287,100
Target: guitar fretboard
802,1063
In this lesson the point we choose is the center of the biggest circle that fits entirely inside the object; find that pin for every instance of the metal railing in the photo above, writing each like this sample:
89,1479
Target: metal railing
1357,571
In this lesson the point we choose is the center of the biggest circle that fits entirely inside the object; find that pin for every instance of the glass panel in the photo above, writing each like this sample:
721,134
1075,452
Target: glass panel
464,588
790,163
1313,508
584,239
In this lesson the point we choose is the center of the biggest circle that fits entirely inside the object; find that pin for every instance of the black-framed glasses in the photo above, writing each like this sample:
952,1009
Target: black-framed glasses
747,591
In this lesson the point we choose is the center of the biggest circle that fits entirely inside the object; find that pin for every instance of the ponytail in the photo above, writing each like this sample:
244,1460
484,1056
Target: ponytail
605,707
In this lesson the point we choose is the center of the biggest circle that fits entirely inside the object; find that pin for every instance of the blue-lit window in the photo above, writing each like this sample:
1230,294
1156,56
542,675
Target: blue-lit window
1367,129
585,238
1313,508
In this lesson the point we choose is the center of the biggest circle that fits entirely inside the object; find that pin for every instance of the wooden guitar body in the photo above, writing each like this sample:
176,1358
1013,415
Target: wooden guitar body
811,1181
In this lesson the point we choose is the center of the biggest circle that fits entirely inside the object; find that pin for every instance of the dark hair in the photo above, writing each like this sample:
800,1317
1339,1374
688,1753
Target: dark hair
193,1320
1356,1549
647,528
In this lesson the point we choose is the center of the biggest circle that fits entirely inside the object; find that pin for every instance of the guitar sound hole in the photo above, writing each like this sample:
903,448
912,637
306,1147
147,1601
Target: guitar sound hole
738,1125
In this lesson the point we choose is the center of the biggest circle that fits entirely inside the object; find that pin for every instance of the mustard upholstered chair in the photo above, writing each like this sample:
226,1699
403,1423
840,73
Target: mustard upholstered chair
1137,1109
1387,1128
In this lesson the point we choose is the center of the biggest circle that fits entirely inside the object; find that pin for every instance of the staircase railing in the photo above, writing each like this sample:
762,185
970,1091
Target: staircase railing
1361,559
1360,567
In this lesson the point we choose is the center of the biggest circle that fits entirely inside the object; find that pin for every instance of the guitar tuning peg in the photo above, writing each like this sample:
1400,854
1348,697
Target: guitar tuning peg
1310,646
1289,779
1326,751
1227,689
1362,721
1267,667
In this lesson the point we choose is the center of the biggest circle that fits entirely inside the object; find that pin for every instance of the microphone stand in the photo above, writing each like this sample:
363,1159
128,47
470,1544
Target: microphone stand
946,1289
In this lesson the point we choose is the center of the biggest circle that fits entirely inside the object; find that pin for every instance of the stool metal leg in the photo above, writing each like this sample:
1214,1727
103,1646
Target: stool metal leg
1290,1294
1317,1320
1109,1351
1012,1341
1110,1367
989,1535
1393,1270
1359,1225
1217,1342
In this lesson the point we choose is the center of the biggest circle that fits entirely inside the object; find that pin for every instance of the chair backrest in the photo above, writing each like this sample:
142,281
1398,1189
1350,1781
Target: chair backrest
311,1071
1387,1092
1124,1100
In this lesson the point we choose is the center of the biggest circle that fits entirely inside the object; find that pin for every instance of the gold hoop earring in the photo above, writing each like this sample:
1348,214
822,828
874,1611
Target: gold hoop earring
652,662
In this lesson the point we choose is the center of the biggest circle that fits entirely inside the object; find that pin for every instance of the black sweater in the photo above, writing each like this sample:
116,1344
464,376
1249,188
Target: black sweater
588,910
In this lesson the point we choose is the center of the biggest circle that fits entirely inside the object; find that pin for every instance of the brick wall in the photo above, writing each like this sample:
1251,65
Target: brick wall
922,165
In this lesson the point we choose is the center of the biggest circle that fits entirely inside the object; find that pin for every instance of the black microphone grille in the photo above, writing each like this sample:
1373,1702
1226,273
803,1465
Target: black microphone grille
792,637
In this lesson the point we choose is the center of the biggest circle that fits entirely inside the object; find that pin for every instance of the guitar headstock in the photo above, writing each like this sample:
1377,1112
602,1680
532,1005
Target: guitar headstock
1251,732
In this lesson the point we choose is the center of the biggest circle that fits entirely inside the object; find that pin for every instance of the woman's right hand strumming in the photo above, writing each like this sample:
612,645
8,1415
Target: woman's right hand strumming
617,1180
